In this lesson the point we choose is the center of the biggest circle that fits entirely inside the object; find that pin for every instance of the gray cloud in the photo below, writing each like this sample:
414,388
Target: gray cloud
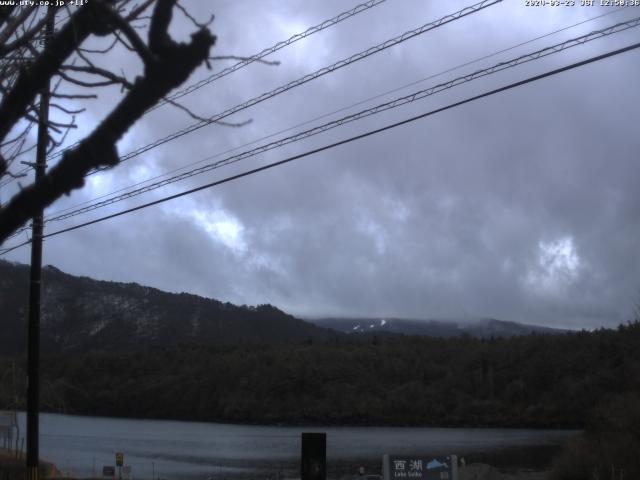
520,206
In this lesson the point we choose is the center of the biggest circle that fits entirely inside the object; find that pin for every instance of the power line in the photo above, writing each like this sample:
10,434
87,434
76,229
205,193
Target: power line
268,51
397,102
359,115
361,102
377,109
345,141
312,76
257,56
303,80
386,106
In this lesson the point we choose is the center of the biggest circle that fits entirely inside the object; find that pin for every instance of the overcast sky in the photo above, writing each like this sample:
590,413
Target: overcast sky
522,206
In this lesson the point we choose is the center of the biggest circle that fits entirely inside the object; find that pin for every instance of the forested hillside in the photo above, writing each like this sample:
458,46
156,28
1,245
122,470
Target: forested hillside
80,314
537,381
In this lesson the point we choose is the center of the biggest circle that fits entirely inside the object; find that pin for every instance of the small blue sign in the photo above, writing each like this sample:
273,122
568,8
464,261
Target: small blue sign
415,468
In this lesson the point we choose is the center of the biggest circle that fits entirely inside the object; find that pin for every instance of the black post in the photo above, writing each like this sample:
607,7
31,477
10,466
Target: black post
33,361
313,464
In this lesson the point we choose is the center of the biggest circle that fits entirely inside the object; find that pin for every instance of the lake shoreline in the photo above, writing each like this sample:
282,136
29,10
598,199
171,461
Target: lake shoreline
314,424
81,445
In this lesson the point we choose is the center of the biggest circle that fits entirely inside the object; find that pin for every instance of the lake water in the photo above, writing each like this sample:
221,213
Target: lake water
81,446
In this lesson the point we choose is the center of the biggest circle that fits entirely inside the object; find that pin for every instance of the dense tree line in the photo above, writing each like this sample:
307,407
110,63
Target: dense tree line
535,381
609,446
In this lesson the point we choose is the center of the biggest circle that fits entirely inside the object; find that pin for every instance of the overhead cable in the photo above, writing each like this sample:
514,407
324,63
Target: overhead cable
342,142
268,51
255,57
312,76
359,115
342,109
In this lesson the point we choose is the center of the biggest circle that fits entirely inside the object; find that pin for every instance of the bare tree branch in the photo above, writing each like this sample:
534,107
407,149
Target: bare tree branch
136,42
67,110
203,119
74,95
136,12
186,13
17,175
5,13
168,66
82,83
14,23
108,49
31,80
26,36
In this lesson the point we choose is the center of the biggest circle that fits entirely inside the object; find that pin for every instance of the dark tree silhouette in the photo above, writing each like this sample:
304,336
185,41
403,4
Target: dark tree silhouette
26,67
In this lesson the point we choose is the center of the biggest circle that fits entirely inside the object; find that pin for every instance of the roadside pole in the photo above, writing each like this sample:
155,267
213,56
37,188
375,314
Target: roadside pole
386,470
33,361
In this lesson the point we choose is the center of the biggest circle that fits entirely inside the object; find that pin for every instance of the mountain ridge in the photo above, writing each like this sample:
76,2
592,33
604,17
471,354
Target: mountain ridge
440,328
82,314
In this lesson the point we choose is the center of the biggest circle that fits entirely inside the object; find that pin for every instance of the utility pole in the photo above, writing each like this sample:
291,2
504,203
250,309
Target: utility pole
33,361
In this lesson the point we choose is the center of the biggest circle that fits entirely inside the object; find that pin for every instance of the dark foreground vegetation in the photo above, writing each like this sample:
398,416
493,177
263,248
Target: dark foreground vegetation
588,380
610,446
12,467
530,381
